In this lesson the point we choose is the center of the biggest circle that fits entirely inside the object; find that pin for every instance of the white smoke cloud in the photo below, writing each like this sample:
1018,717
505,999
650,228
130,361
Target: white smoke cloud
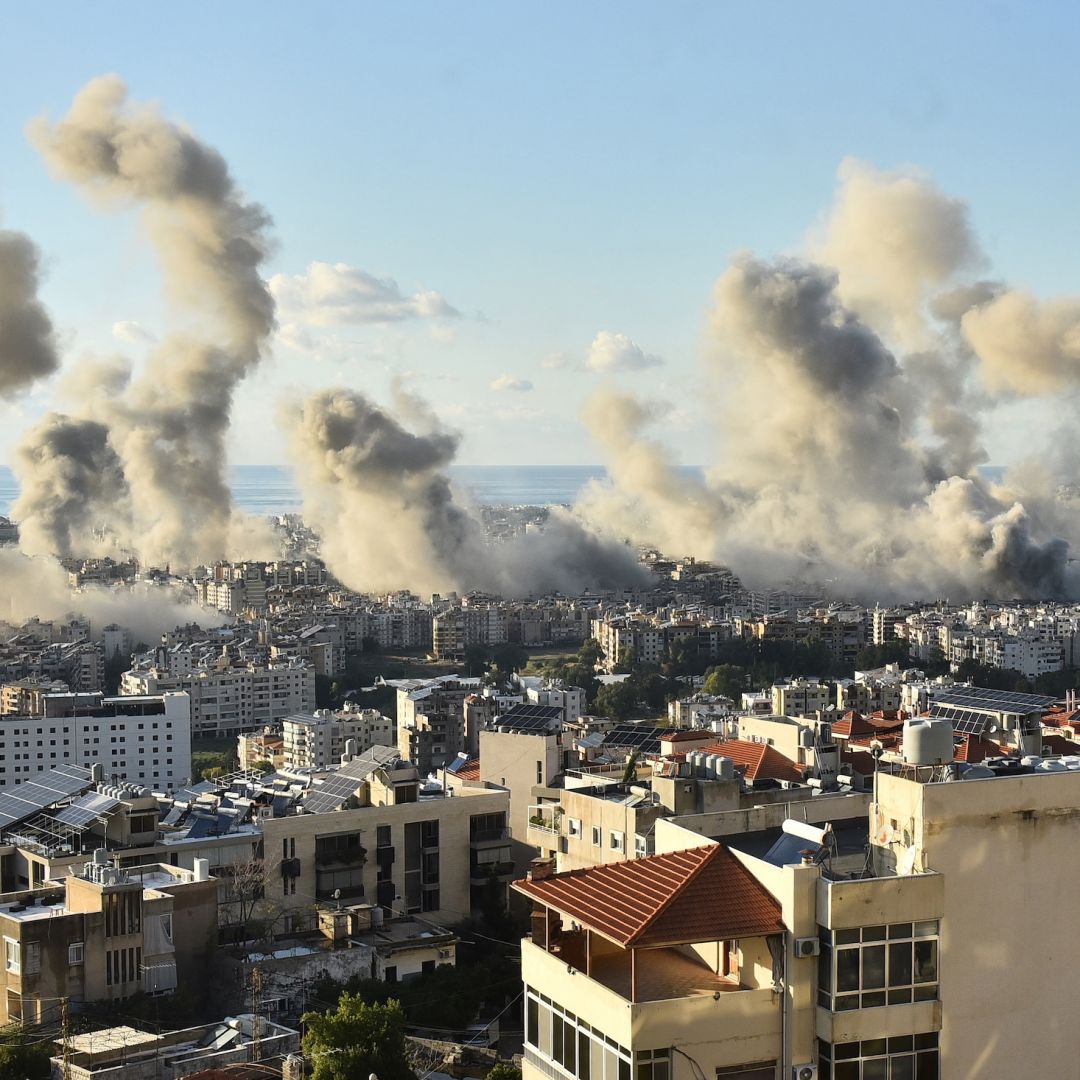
611,353
333,293
894,238
38,586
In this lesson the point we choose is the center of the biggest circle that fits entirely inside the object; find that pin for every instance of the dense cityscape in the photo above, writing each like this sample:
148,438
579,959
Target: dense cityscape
349,768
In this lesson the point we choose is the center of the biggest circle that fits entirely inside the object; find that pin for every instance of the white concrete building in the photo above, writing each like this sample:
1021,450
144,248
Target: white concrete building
143,740
318,741
226,700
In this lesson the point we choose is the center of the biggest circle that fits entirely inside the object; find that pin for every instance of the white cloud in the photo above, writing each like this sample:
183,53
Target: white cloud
331,293
132,332
511,382
616,352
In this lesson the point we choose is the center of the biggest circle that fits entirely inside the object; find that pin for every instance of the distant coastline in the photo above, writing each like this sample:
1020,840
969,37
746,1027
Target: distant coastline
270,489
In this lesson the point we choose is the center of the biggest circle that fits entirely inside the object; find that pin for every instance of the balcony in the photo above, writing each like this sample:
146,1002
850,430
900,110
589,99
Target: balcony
546,818
674,995
482,873
481,839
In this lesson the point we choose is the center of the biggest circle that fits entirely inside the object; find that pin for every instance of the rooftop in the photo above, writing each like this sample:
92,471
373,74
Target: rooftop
701,894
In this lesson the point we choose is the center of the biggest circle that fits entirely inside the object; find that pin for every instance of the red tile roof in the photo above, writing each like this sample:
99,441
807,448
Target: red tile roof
702,894
756,761
974,749
853,725
689,735
1059,744
470,770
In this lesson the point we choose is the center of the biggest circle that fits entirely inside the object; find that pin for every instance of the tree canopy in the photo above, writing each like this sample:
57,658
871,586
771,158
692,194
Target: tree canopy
357,1039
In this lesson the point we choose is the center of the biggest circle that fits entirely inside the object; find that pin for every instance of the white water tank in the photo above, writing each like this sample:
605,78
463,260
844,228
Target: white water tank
202,869
928,742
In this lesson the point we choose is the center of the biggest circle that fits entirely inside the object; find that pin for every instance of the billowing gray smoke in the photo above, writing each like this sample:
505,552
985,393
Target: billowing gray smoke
168,429
27,342
843,460
389,518
76,474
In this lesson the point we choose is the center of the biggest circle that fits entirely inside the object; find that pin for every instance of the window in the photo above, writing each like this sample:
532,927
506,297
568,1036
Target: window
903,1057
652,1065
12,956
561,1044
32,958
573,826
878,965
618,841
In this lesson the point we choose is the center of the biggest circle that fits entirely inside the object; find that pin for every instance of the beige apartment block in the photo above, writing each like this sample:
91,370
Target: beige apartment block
104,935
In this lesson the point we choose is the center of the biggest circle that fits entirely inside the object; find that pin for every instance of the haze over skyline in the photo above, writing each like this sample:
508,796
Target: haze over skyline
553,197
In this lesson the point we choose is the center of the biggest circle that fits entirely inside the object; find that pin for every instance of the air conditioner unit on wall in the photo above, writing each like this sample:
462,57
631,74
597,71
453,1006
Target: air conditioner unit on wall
804,1072
807,946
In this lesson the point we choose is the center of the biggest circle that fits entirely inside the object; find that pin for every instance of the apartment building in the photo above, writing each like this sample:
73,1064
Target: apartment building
457,629
318,741
864,944
800,697
253,747
25,697
104,934
141,740
228,697
431,719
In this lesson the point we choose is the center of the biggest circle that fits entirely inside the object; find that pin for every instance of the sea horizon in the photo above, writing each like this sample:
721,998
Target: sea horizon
271,489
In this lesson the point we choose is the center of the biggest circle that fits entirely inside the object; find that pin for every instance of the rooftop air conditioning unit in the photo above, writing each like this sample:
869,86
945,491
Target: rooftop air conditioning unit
807,946
804,1072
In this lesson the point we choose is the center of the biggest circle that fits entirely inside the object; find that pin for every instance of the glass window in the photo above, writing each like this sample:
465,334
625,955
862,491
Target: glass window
884,968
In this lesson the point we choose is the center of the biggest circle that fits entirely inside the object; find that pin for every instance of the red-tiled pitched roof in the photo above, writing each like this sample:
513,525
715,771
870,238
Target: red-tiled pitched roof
853,725
756,761
470,770
974,749
703,894
858,761
689,735
1059,744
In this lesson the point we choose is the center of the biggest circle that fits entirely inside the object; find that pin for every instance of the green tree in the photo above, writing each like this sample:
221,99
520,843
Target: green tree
504,1071
509,657
725,680
357,1039
476,662
590,653
617,700
21,1059
624,662
263,766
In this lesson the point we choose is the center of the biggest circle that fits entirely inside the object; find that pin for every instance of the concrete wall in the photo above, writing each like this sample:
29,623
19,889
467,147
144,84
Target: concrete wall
1004,847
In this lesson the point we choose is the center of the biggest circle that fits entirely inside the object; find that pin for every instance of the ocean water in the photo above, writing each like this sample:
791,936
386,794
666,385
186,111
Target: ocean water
271,489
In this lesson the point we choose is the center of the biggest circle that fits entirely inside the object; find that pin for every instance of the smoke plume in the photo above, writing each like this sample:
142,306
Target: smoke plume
27,342
38,586
168,429
852,391
389,518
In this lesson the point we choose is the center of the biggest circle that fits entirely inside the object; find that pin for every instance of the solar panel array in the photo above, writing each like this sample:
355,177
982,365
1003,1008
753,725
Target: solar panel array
981,697
35,795
87,809
531,718
637,737
343,782
964,721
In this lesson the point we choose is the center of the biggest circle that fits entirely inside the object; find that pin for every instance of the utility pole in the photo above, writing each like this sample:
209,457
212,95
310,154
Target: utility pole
256,1009
65,1037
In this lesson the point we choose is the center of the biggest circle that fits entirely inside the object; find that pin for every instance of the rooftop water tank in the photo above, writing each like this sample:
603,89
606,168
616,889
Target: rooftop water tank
928,742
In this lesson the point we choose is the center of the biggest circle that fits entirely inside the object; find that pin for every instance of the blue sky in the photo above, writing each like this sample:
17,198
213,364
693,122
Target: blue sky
552,170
